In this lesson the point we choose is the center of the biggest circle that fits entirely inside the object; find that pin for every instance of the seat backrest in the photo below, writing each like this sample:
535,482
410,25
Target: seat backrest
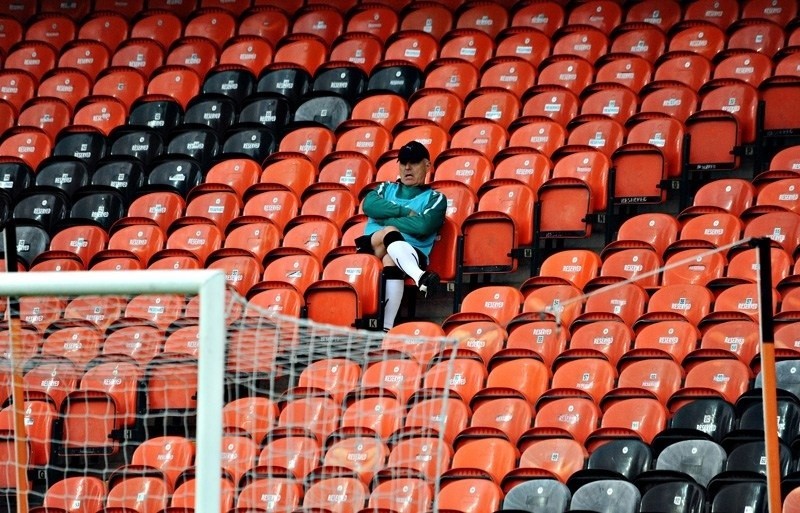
318,236
625,300
76,494
142,494
743,298
274,491
576,266
279,205
606,496
563,302
629,70
642,416
545,16
397,375
592,376
588,42
528,375
700,459
733,195
728,378
782,227
495,455
337,204
691,301
119,379
658,230
426,413
296,450
611,338
363,453
331,493
570,71
362,271
540,133
694,267
465,376
498,301
700,36
470,495
251,415
666,133
171,454
416,495
298,270
626,456
381,414
538,496
511,415
312,413
515,199
561,457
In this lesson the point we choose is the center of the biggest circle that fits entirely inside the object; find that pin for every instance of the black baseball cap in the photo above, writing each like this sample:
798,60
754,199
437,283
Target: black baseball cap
413,152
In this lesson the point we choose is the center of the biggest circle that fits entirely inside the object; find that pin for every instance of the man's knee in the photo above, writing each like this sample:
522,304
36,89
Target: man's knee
392,236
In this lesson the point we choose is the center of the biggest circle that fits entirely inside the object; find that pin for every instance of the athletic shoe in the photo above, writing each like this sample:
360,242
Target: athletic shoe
427,281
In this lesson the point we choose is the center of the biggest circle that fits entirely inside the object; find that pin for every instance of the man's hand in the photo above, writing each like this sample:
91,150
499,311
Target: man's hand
412,213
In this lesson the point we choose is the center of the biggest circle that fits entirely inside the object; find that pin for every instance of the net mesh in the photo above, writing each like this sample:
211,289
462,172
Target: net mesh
110,413
340,419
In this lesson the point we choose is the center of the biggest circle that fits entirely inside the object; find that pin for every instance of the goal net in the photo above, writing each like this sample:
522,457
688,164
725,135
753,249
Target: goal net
152,390
119,410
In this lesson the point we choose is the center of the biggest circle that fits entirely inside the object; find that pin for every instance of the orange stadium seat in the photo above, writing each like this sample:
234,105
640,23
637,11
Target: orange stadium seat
752,67
558,457
523,42
637,417
356,296
80,494
400,486
561,302
693,266
359,450
141,494
611,338
469,491
11,33
687,68
591,377
540,132
485,449
601,14
563,416
106,26
570,71
453,74
702,36
584,41
502,410
217,24
409,445
625,69
39,428
293,448
267,486
326,487
639,38
424,414
546,16
509,72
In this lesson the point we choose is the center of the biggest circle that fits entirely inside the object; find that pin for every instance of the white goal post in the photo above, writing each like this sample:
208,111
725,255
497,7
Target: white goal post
210,286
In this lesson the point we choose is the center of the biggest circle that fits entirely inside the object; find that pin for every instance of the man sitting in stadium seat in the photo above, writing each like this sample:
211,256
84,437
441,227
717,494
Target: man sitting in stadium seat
404,217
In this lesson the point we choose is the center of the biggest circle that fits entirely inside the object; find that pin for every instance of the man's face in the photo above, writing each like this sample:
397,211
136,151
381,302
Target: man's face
413,173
